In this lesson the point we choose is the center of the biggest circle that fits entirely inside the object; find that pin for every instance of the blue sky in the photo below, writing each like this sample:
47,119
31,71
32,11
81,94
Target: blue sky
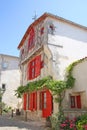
16,16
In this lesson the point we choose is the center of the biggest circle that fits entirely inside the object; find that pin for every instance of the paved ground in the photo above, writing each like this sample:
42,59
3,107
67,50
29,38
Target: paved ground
9,123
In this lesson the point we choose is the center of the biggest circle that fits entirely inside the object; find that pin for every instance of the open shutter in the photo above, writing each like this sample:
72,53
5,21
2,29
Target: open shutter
78,100
25,100
37,65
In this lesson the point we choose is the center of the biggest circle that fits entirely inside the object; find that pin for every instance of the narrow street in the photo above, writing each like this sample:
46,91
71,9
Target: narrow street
15,124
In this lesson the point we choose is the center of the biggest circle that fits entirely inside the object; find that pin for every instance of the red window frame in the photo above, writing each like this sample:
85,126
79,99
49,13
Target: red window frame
32,101
75,101
31,42
34,68
42,31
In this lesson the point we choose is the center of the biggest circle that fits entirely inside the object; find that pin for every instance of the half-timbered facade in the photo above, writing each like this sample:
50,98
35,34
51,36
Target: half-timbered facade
48,46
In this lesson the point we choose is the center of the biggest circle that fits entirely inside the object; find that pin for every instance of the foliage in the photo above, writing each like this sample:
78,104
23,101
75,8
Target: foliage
81,122
68,124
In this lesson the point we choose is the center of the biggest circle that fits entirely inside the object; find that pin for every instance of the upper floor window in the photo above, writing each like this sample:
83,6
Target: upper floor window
34,68
42,30
22,53
51,29
31,39
4,65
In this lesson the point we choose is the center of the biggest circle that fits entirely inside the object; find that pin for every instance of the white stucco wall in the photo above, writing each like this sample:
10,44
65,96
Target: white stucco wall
71,45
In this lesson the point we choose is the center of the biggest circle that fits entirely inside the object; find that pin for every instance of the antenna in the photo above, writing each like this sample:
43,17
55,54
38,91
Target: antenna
35,16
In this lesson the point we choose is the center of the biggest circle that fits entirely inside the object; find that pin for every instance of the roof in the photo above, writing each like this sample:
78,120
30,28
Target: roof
6,55
45,15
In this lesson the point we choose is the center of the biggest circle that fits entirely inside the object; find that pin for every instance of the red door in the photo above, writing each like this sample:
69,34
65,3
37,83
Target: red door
46,103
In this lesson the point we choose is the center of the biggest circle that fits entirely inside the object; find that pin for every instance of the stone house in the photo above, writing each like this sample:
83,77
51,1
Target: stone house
48,46
75,99
9,79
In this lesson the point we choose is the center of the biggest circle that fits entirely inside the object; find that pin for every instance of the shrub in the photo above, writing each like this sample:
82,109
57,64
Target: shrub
68,124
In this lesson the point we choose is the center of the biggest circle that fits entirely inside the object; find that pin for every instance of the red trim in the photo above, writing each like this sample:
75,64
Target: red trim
37,65
31,39
78,100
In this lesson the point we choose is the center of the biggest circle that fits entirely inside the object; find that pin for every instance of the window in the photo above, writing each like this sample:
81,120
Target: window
42,30
32,101
34,68
3,86
4,65
75,101
51,29
31,39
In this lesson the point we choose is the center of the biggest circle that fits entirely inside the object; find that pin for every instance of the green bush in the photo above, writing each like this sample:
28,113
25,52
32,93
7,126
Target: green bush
81,122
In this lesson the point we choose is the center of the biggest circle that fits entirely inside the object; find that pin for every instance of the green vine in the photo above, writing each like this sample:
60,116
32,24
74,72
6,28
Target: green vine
57,87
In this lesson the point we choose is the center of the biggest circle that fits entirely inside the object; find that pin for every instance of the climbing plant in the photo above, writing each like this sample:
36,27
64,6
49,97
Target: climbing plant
57,87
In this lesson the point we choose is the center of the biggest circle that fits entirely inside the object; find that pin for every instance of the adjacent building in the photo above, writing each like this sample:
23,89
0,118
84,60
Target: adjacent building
48,46
9,79
75,100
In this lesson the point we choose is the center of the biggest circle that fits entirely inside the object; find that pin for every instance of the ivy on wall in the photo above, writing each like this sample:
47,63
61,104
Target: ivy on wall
57,87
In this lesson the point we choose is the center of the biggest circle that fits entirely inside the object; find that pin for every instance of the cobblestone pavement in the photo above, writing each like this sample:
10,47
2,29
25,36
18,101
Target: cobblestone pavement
9,123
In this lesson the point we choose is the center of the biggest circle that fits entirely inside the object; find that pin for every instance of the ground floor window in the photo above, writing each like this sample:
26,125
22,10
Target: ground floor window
43,102
75,101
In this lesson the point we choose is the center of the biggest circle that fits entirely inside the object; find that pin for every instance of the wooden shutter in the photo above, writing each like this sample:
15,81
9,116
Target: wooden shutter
24,101
31,39
72,101
31,101
35,101
78,101
37,65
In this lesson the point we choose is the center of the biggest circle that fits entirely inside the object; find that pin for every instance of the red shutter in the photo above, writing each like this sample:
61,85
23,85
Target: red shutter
31,101
37,65
78,100
72,98
35,101
24,99
31,39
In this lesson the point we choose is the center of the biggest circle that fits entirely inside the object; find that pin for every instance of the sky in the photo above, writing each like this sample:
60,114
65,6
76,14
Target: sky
16,16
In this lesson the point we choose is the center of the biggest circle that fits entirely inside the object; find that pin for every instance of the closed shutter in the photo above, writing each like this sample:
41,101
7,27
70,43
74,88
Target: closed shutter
31,101
25,100
37,65
78,100
31,39
35,100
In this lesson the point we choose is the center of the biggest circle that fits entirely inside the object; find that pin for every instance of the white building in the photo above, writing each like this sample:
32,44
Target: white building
48,46
9,79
